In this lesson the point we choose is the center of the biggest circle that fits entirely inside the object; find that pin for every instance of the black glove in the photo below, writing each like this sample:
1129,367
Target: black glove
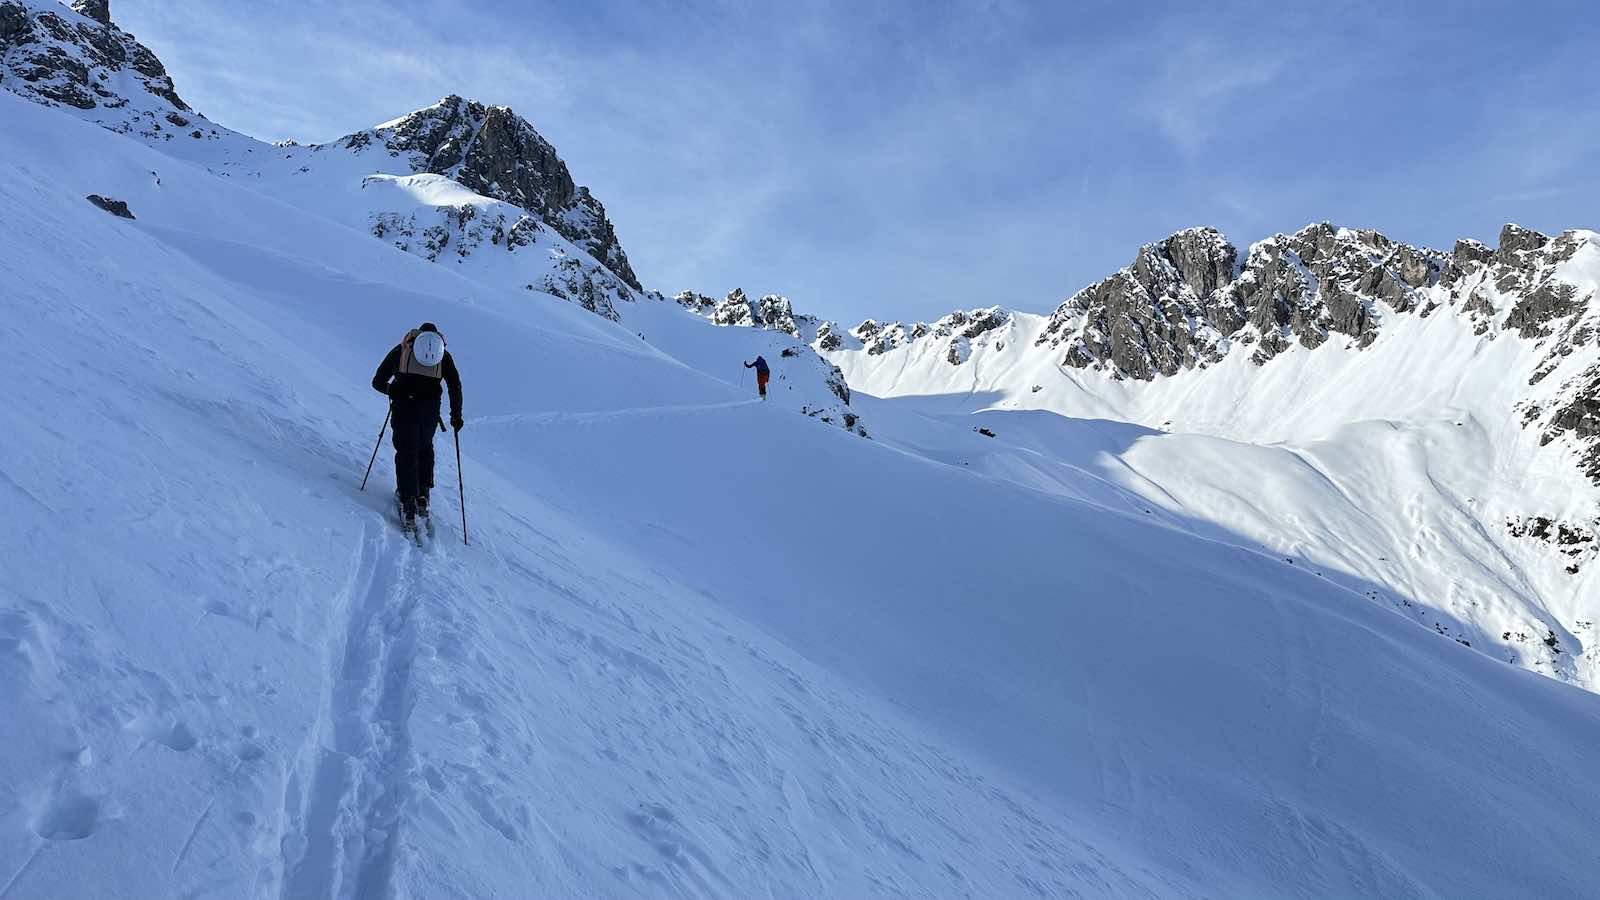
456,421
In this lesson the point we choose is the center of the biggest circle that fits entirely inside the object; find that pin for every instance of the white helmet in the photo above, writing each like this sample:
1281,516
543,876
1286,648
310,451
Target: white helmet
427,348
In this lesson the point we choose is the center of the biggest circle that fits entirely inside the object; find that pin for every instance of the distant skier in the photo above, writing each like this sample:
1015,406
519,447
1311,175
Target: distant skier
762,374
410,375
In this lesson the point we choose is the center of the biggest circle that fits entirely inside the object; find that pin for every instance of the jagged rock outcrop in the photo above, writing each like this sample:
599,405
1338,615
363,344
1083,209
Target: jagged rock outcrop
98,10
959,327
79,59
495,152
802,365
480,230
1184,301
772,312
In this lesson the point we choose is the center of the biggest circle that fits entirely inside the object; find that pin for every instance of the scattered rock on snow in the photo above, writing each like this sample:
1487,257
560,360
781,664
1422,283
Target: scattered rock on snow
115,207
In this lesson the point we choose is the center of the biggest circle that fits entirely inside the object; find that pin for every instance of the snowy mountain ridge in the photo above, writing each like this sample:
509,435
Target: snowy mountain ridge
1188,301
458,182
1437,412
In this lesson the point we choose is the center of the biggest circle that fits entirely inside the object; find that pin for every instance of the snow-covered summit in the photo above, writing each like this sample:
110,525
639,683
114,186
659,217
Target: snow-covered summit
499,154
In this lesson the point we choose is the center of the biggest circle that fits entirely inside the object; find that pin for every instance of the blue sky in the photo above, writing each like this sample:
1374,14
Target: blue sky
902,159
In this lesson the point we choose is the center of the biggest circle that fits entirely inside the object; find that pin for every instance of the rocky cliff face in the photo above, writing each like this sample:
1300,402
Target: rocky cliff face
495,152
80,60
1187,300
1184,303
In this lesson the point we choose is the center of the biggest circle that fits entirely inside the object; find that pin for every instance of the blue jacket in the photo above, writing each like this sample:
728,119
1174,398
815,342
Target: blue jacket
760,365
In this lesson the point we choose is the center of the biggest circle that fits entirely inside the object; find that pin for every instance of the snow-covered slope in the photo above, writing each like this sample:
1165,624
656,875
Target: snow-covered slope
698,646
460,183
1420,421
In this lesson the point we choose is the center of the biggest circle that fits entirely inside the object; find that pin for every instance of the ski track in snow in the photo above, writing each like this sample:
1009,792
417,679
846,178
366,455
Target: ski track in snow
343,821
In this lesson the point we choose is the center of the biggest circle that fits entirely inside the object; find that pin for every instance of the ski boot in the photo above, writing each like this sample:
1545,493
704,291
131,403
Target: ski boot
408,517
422,512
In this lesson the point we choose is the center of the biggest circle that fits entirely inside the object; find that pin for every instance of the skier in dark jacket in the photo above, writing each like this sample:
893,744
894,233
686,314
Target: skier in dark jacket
762,374
410,375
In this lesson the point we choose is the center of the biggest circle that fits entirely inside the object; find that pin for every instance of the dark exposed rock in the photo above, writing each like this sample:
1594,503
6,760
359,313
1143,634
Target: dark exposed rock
1581,414
15,26
98,10
1514,239
958,351
828,339
115,207
1468,253
1551,300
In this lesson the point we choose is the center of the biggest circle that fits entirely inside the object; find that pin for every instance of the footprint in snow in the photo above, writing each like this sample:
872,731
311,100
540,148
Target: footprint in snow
66,815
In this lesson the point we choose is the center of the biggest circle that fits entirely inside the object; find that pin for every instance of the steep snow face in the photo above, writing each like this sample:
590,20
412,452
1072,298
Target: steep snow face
1412,435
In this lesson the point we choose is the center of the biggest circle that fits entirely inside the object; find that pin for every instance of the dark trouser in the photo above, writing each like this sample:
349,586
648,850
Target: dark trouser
414,423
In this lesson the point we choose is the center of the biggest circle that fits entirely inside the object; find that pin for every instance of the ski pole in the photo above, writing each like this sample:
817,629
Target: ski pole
461,489
375,448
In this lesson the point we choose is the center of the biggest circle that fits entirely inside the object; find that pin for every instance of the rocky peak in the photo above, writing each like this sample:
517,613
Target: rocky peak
1514,240
1202,258
80,60
495,152
98,10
